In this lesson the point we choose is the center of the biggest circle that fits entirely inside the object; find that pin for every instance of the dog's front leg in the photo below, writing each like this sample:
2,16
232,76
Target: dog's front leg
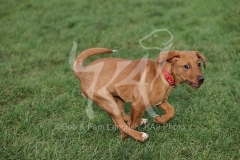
169,113
136,116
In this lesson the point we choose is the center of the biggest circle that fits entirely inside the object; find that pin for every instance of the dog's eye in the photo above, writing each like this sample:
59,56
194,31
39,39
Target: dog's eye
186,66
199,64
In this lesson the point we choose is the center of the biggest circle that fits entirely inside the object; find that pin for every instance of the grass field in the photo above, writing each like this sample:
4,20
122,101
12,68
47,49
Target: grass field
42,112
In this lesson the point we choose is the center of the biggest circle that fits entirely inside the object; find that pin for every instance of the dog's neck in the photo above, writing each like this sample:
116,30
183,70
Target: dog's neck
169,78
170,68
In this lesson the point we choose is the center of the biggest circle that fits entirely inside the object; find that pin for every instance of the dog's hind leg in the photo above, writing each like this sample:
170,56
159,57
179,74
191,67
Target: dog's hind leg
107,102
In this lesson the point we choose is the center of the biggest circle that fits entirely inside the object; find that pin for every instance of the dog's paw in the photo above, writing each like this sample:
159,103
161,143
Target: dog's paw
144,136
156,118
143,121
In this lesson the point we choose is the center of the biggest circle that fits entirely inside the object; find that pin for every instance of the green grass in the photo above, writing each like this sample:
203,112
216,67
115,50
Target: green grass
42,112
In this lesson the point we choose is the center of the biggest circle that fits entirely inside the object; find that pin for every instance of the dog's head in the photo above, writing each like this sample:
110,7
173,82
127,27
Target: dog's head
185,66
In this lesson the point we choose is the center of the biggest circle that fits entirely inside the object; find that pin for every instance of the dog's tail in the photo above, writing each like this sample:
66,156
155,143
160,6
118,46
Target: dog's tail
87,53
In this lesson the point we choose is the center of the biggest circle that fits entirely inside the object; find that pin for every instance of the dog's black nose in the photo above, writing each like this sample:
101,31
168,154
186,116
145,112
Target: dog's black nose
200,79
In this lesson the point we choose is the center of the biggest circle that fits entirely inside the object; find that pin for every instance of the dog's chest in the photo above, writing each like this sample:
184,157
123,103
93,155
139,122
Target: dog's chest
158,95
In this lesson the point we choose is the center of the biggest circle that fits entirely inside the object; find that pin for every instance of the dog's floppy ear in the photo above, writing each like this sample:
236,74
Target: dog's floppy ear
169,56
204,59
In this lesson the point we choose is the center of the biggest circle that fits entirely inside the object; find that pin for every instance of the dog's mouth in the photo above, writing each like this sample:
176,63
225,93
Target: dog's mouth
193,85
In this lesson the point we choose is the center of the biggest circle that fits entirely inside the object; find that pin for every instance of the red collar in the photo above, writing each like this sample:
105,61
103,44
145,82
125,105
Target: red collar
169,78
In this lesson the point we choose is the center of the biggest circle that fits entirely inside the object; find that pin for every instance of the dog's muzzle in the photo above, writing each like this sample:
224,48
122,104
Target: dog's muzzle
194,85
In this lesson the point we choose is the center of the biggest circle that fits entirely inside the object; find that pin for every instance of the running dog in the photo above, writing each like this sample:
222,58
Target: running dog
144,83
